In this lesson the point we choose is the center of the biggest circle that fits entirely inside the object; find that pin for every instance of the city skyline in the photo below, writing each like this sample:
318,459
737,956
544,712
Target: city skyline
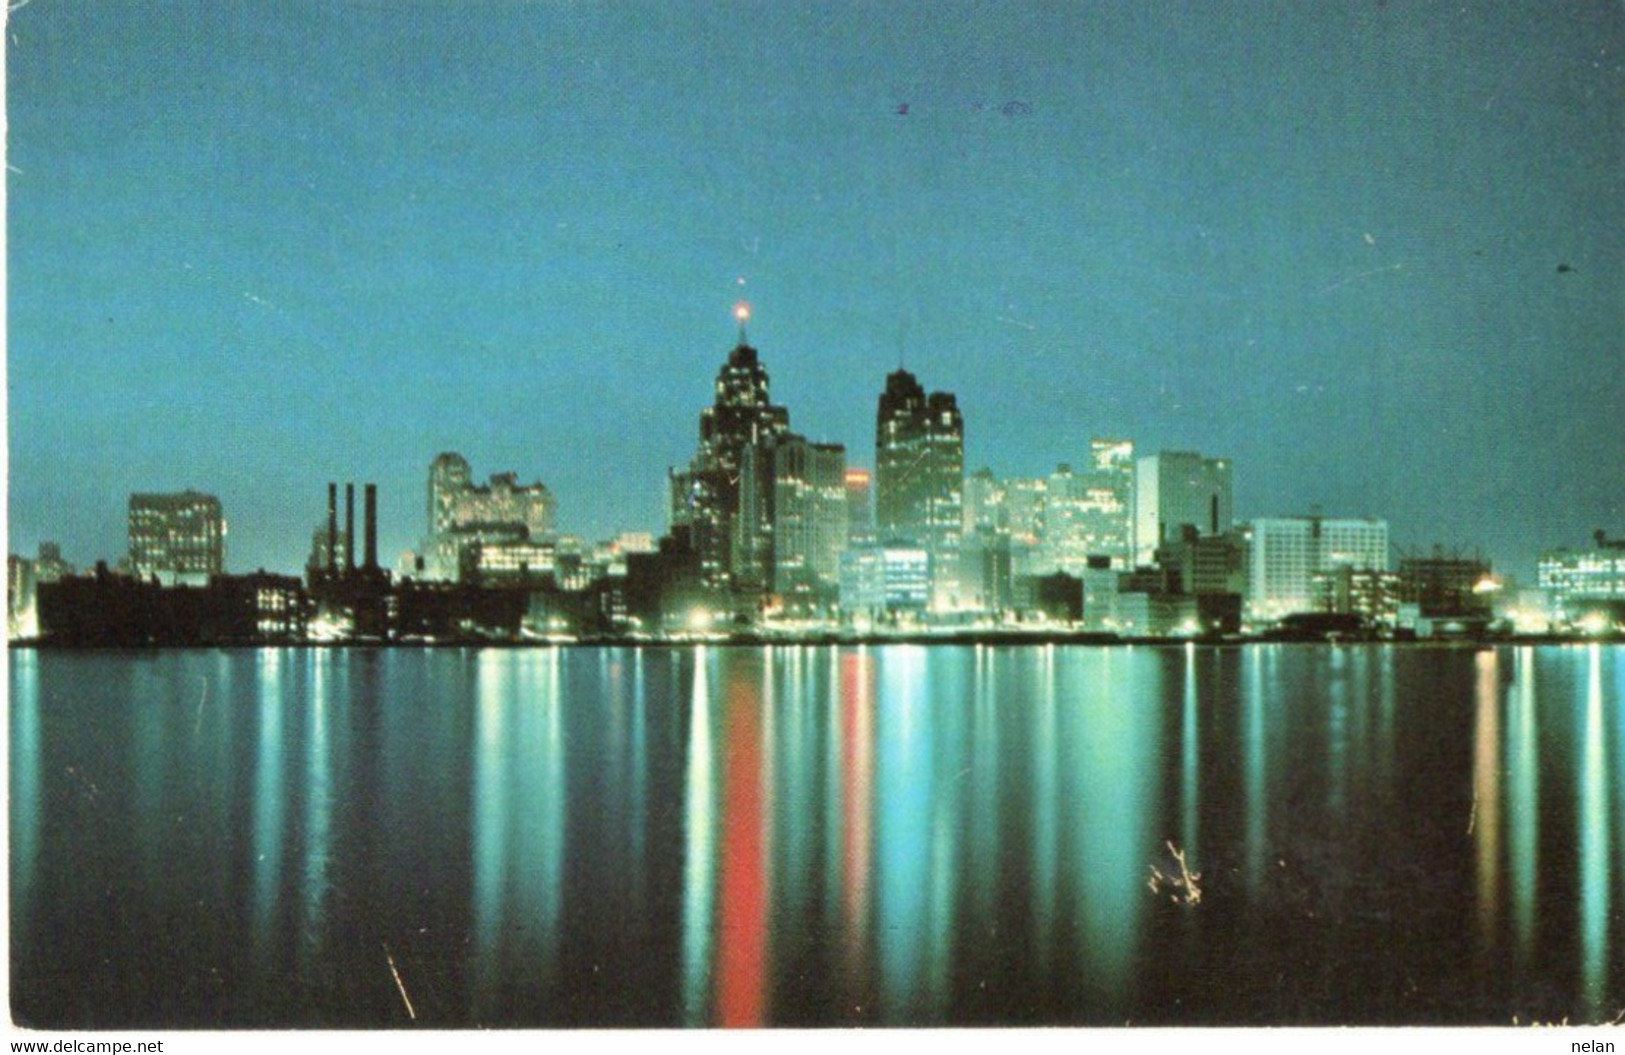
253,253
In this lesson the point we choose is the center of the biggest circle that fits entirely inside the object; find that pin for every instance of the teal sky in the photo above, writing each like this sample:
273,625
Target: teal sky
1374,252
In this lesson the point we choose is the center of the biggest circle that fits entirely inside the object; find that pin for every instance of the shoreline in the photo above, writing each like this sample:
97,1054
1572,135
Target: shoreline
951,639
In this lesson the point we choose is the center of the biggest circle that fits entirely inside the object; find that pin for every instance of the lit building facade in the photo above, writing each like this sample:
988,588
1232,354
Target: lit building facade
1586,585
179,539
22,608
1106,512
886,580
1174,488
1285,554
919,478
705,497
1447,586
462,513
860,507
810,517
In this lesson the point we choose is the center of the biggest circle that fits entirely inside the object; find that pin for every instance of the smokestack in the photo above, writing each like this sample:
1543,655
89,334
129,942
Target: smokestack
372,527
332,528
349,527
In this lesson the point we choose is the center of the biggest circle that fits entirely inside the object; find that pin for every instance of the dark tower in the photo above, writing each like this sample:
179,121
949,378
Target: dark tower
372,527
919,476
349,527
707,496
332,528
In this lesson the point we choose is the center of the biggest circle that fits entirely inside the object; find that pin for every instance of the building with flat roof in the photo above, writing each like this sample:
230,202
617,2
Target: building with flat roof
177,539
462,514
1175,488
1586,585
1285,554
919,479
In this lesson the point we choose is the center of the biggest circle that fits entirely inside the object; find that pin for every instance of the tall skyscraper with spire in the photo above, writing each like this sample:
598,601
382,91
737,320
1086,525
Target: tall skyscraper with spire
919,478
705,496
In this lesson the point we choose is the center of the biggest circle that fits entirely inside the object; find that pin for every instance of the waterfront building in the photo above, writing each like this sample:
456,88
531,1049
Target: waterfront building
1151,613
1586,586
1374,594
810,519
177,539
919,478
1448,586
1174,488
664,590
21,586
705,497
887,580
1284,554
511,561
863,582
462,514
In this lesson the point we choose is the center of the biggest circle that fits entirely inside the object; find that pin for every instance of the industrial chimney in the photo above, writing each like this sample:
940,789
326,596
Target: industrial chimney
349,527
372,527
332,528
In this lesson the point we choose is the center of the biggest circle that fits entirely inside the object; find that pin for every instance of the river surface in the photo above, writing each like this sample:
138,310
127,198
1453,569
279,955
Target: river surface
900,835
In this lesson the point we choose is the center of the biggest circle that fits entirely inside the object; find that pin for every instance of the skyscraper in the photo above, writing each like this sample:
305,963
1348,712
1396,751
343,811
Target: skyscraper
705,496
1108,506
809,520
1174,488
178,538
919,476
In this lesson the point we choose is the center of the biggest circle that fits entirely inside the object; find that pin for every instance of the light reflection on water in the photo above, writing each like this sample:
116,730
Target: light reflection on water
1594,846
798,835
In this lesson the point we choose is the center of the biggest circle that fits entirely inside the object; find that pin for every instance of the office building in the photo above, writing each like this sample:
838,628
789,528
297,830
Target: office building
1285,554
462,513
1447,586
705,497
1106,511
1174,488
1586,586
919,478
860,507
177,539
810,519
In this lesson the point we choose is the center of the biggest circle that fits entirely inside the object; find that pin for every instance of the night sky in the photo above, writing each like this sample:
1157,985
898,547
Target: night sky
1374,252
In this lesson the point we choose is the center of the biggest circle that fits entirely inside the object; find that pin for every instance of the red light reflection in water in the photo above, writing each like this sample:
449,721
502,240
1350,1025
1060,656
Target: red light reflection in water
742,912
857,765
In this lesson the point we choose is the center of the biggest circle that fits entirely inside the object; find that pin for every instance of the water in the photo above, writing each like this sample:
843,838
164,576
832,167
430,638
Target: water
817,836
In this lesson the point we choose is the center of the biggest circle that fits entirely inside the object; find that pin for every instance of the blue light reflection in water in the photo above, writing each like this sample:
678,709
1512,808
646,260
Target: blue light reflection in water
1594,858
699,856
1485,818
269,800
26,788
319,706
1112,754
906,789
811,835
1523,806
